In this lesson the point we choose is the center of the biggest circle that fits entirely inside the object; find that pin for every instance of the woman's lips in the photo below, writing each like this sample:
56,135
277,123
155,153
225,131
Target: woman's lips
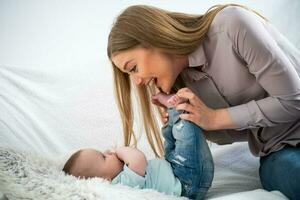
158,86
152,81
155,81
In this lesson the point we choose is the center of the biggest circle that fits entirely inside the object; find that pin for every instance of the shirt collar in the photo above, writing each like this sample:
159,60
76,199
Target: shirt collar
198,57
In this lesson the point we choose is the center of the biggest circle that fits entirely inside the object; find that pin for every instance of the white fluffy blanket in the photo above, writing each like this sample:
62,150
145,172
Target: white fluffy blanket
25,175
28,176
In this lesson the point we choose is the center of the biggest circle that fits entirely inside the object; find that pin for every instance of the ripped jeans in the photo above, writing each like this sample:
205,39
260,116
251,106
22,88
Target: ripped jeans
189,155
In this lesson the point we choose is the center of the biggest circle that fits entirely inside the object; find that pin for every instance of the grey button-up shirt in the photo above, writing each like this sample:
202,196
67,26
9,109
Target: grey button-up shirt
244,64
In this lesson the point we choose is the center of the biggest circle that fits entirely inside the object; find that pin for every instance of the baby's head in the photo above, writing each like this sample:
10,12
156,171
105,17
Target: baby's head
88,163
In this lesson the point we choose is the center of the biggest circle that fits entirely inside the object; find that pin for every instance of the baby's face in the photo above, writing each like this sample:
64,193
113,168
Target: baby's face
93,163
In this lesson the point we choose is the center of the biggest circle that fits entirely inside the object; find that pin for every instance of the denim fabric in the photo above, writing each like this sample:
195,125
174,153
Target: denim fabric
281,171
189,155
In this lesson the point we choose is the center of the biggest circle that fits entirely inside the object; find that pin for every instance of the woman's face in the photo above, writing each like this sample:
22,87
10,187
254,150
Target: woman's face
149,65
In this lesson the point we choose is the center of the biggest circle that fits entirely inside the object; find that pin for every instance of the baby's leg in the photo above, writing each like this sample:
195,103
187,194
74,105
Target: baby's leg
191,158
169,143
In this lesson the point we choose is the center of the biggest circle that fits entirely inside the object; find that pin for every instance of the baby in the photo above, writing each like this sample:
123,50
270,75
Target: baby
186,170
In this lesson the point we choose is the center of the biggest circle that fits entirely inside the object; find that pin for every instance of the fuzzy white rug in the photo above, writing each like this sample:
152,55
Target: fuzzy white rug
25,175
28,176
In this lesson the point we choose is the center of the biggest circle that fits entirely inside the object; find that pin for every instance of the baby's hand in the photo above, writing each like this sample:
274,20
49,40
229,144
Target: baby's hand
134,158
165,116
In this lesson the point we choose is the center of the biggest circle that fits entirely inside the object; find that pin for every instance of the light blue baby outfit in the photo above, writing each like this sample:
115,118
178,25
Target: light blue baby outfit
159,176
188,167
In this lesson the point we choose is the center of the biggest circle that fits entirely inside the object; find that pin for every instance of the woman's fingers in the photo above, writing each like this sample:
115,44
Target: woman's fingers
165,113
189,117
198,112
190,95
165,117
165,120
185,106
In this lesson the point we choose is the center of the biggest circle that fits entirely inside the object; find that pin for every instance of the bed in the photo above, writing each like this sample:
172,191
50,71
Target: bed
56,96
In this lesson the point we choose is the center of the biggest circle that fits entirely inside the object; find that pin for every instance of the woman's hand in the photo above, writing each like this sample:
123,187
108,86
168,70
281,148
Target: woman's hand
165,116
198,112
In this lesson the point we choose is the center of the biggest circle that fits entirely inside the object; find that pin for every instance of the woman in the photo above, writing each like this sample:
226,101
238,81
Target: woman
240,75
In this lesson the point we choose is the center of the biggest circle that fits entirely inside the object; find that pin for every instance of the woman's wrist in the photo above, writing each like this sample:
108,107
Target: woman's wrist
222,120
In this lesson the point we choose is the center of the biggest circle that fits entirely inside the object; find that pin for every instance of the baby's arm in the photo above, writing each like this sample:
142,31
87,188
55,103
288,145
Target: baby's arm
134,158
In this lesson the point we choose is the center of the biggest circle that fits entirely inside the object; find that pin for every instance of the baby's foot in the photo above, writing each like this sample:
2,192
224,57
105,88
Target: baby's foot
175,99
168,100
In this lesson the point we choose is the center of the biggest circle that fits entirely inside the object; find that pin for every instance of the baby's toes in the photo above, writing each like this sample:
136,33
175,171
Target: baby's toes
170,100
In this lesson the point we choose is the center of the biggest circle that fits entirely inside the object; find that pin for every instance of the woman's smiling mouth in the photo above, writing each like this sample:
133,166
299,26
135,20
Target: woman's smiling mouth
157,85
152,81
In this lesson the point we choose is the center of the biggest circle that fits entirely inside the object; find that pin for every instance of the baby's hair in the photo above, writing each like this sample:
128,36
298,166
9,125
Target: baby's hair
71,162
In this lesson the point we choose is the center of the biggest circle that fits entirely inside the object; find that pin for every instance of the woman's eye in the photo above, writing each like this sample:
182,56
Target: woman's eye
134,69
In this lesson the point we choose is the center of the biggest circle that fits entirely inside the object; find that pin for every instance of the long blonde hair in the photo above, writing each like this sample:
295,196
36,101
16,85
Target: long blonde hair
171,32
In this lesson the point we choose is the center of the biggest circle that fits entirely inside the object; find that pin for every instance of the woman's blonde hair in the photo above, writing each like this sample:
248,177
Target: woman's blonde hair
171,32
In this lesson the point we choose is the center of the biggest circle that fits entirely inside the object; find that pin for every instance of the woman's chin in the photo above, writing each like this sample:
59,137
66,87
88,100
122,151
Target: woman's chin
166,90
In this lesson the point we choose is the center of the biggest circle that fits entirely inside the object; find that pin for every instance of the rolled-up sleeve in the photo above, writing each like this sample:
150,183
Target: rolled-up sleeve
272,70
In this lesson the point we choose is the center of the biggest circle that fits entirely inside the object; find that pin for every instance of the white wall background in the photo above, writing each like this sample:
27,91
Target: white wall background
75,31
56,84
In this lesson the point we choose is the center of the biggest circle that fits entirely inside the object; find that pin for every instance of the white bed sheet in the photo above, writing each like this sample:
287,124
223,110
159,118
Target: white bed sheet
236,174
56,85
